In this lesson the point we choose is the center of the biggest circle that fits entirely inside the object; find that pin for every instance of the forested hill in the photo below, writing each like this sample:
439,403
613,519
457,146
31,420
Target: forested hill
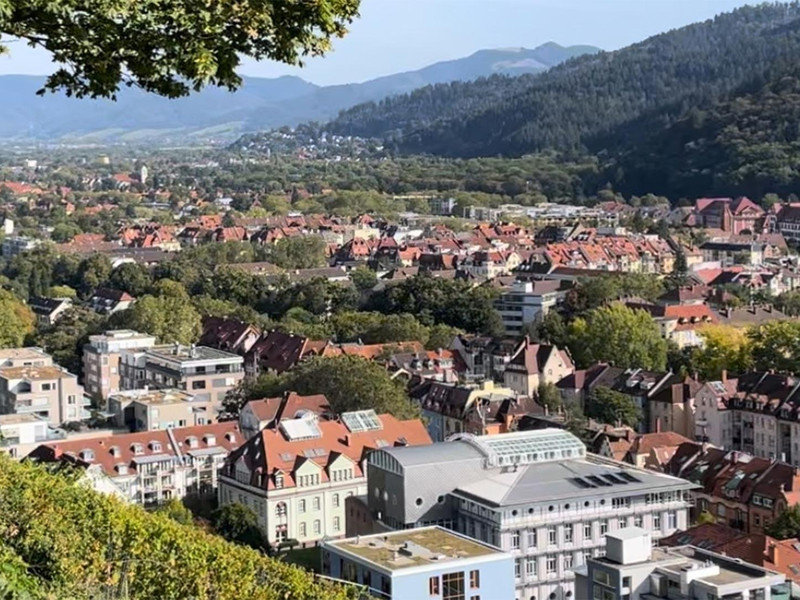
587,101
745,145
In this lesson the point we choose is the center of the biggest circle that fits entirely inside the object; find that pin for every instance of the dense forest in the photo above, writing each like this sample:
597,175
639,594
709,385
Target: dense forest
587,102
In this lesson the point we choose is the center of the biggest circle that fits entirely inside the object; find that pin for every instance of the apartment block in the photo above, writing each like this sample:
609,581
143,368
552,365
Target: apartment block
21,433
152,467
535,494
206,373
149,410
634,570
101,359
428,562
24,357
49,392
296,474
527,302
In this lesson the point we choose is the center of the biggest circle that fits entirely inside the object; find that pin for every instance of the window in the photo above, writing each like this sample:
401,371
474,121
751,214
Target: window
672,520
602,577
518,568
552,565
433,586
568,534
552,534
278,480
657,521
315,502
474,579
453,586
317,527
302,530
336,500
532,541
301,506
638,521
46,387
280,509
530,567
336,524
603,527
622,523
567,561
515,540
198,385
587,531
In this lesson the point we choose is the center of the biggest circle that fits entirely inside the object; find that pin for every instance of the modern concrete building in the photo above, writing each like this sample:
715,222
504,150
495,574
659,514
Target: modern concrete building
528,302
24,357
206,373
634,570
14,245
48,391
149,410
429,562
101,358
296,474
536,494
19,434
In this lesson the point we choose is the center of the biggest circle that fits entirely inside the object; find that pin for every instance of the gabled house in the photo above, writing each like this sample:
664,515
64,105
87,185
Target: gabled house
107,301
230,335
533,364
268,412
49,310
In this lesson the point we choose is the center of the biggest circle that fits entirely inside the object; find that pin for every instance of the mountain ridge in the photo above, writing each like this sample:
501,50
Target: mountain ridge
260,103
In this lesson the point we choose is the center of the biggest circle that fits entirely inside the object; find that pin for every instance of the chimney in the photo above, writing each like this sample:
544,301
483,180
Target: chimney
724,375
773,553
658,425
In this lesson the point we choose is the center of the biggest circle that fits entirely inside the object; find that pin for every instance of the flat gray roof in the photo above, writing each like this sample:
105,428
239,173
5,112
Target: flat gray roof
572,478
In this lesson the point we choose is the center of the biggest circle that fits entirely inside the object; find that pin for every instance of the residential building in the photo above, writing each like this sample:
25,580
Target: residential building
782,556
230,335
48,310
445,407
442,206
735,488
101,359
536,494
528,302
632,568
733,253
533,364
24,357
427,562
16,244
49,392
206,373
152,467
20,433
672,406
107,301
738,216
296,475
149,410
276,352
788,222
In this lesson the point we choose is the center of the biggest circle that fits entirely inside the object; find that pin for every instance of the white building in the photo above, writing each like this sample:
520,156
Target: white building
296,475
14,245
101,359
535,494
634,570
527,302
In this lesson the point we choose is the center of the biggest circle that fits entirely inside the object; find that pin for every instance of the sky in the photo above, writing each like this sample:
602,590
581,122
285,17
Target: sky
392,36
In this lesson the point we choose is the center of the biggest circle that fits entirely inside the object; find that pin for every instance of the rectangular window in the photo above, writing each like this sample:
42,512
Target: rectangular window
603,527
587,531
301,506
518,568
672,520
530,567
317,527
568,534
567,561
315,502
433,586
453,586
552,534
638,521
515,540
302,530
552,565
199,385
622,523
532,541
657,521
474,579
336,524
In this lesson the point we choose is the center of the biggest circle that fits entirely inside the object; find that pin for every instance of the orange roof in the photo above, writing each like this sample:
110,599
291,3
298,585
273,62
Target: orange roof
270,451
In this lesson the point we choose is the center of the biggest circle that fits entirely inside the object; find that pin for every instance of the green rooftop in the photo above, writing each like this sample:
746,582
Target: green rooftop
414,547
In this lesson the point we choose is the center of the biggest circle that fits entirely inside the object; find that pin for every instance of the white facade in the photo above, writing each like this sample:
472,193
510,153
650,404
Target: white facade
521,305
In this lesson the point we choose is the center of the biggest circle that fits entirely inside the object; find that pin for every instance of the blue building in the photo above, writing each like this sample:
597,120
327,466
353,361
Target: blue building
428,562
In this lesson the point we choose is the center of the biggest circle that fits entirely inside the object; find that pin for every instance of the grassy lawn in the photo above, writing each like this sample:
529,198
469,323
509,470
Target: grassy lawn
308,558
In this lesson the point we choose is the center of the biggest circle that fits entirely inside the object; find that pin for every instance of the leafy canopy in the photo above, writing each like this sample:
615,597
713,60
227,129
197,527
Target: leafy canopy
172,46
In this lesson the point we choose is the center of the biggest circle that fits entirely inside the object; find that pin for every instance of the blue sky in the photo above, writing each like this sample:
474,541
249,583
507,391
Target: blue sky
401,35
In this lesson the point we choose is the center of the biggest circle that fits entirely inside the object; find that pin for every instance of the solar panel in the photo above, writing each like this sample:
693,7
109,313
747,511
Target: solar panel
629,477
361,420
598,481
582,483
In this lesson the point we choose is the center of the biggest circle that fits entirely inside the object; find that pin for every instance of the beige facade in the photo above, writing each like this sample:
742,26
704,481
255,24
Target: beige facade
206,373
101,358
49,392
535,364
149,410
24,357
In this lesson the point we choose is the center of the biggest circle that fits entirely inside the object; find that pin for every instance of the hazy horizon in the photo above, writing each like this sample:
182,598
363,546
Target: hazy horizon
393,36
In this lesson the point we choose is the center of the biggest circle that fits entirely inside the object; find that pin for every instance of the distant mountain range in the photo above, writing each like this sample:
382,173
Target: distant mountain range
216,114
